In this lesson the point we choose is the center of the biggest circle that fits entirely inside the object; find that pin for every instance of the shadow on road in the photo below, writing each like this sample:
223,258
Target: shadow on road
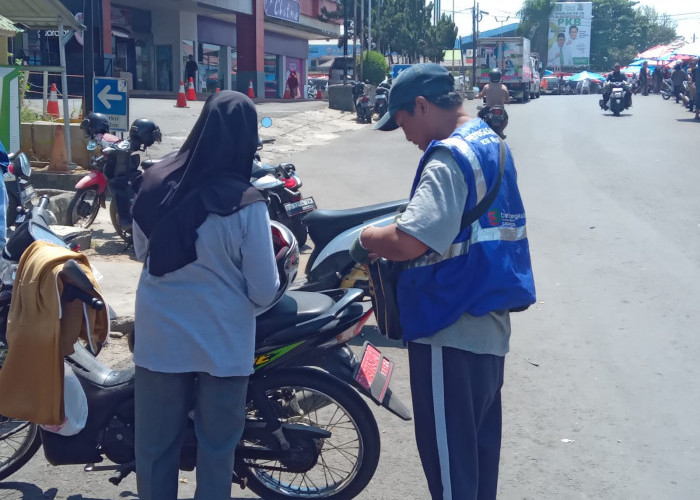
687,120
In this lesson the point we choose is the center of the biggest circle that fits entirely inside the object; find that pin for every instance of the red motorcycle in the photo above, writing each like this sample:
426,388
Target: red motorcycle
90,190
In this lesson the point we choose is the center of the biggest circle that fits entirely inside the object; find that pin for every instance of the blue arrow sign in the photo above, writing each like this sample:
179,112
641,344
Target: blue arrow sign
110,97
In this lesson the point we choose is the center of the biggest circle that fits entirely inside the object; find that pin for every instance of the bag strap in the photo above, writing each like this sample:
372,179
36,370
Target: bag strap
481,207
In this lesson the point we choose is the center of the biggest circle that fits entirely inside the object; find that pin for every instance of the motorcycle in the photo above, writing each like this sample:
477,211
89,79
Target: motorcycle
91,189
333,231
308,431
361,100
666,89
495,117
620,97
20,192
381,98
280,184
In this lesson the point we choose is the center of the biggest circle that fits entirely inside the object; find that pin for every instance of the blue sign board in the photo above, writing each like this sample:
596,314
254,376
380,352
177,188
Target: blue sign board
110,97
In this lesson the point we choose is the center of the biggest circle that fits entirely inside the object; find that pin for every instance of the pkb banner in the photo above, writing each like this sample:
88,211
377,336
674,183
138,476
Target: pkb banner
570,35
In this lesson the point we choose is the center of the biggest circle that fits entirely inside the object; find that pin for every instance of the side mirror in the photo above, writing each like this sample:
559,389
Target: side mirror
92,145
266,122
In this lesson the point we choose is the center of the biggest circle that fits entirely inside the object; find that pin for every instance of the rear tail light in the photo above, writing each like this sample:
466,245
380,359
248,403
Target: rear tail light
355,329
365,98
290,183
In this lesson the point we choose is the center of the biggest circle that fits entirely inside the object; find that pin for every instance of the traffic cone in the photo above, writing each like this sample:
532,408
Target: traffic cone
287,95
181,99
191,94
218,90
58,161
52,105
319,94
251,90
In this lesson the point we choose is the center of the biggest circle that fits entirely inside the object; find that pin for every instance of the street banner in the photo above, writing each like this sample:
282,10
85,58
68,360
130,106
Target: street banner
570,35
9,108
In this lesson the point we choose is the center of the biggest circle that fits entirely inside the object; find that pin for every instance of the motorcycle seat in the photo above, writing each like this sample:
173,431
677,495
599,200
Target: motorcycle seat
293,308
324,225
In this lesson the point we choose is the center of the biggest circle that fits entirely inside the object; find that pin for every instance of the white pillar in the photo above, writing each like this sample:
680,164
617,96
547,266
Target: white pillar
64,90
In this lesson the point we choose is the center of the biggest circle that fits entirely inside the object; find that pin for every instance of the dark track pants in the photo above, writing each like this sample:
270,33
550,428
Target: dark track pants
457,413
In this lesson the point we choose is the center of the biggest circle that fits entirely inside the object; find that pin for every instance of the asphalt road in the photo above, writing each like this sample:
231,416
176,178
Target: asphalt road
600,399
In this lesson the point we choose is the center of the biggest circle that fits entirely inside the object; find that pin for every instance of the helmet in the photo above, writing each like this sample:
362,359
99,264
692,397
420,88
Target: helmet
144,132
495,75
95,123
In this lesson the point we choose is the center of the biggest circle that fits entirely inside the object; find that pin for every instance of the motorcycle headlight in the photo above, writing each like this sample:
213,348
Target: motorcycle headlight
24,164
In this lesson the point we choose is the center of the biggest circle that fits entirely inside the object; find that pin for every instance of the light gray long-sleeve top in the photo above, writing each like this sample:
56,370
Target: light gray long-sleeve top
201,317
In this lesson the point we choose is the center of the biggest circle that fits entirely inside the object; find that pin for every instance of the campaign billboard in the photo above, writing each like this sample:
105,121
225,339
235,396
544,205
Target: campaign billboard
570,35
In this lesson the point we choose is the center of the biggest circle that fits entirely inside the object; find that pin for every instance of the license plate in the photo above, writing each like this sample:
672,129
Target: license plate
300,207
374,372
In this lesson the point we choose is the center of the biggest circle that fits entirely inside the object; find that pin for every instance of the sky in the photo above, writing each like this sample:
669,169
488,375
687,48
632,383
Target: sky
502,12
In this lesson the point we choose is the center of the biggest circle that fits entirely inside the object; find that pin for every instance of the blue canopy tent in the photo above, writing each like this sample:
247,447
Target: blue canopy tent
583,75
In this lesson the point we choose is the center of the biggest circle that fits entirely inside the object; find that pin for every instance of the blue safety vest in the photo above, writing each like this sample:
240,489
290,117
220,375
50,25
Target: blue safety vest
487,267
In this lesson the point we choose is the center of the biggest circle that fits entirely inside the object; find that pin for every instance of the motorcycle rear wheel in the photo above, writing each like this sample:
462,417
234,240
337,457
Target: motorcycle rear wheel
347,460
666,96
114,215
82,209
19,439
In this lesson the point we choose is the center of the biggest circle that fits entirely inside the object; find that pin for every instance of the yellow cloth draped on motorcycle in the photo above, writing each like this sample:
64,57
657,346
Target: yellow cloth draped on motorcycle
41,331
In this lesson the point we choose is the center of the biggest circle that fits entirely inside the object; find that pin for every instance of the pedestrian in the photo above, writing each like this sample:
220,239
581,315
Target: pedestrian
644,77
658,78
293,84
696,80
204,235
191,70
677,78
458,285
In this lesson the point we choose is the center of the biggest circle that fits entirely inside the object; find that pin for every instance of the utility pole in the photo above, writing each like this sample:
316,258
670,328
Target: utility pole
453,48
369,27
362,39
354,40
474,14
345,46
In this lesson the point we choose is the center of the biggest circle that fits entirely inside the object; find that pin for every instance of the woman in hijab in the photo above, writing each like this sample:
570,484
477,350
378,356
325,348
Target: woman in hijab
204,235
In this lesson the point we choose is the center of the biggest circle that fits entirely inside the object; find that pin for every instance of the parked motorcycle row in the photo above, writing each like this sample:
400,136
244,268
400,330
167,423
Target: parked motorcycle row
309,431
363,105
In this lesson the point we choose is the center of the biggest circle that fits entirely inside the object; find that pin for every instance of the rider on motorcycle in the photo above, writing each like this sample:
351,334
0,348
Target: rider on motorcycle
616,77
494,94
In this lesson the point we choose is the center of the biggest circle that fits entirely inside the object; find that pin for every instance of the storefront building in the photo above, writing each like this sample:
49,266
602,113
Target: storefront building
149,42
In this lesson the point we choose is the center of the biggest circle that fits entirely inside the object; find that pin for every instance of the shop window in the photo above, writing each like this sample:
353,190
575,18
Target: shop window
209,66
271,75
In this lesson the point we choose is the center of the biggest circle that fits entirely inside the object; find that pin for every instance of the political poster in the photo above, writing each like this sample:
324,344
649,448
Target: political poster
570,35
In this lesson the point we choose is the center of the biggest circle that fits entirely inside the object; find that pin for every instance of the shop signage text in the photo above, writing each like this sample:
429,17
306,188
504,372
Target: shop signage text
283,9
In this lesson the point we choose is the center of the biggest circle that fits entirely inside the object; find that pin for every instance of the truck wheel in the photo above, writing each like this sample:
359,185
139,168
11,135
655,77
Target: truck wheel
526,95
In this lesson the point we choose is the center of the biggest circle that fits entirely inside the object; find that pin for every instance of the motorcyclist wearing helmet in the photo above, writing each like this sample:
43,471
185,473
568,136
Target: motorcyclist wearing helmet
616,77
494,93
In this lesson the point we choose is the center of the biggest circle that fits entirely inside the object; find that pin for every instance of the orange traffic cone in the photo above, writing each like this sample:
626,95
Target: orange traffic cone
319,94
218,90
287,95
52,105
191,94
58,161
251,90
181,99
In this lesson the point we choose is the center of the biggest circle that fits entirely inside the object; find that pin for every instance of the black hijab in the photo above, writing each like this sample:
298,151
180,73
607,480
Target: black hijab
209,175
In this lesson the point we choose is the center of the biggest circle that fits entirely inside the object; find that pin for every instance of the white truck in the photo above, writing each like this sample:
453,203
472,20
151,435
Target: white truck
512,56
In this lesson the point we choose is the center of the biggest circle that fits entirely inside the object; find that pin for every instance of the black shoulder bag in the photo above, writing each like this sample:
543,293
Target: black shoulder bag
384,274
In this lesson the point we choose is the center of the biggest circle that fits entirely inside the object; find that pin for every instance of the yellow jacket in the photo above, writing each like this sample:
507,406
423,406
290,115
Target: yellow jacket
41,331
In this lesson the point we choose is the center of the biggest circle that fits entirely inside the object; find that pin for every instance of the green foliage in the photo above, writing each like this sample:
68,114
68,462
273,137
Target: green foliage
440,37
534,24
406,27
27,114
374,67
620,32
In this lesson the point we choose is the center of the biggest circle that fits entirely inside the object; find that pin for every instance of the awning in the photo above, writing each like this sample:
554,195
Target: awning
8,28
39,14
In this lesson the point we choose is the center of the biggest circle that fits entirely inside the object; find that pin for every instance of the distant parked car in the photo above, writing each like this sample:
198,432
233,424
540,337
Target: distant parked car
550,85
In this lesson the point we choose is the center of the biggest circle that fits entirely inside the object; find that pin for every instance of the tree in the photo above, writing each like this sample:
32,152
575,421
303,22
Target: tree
441,37
405,26
374,67
534,24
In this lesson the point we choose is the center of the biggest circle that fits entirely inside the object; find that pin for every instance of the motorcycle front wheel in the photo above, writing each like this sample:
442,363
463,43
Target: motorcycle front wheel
346,460
114,215
82,209
19,439
666,96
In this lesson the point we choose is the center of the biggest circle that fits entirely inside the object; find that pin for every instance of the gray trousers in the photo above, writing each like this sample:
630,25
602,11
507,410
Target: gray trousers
163,401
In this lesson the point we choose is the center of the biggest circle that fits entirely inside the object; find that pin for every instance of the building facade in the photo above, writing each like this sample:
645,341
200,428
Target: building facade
149,42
